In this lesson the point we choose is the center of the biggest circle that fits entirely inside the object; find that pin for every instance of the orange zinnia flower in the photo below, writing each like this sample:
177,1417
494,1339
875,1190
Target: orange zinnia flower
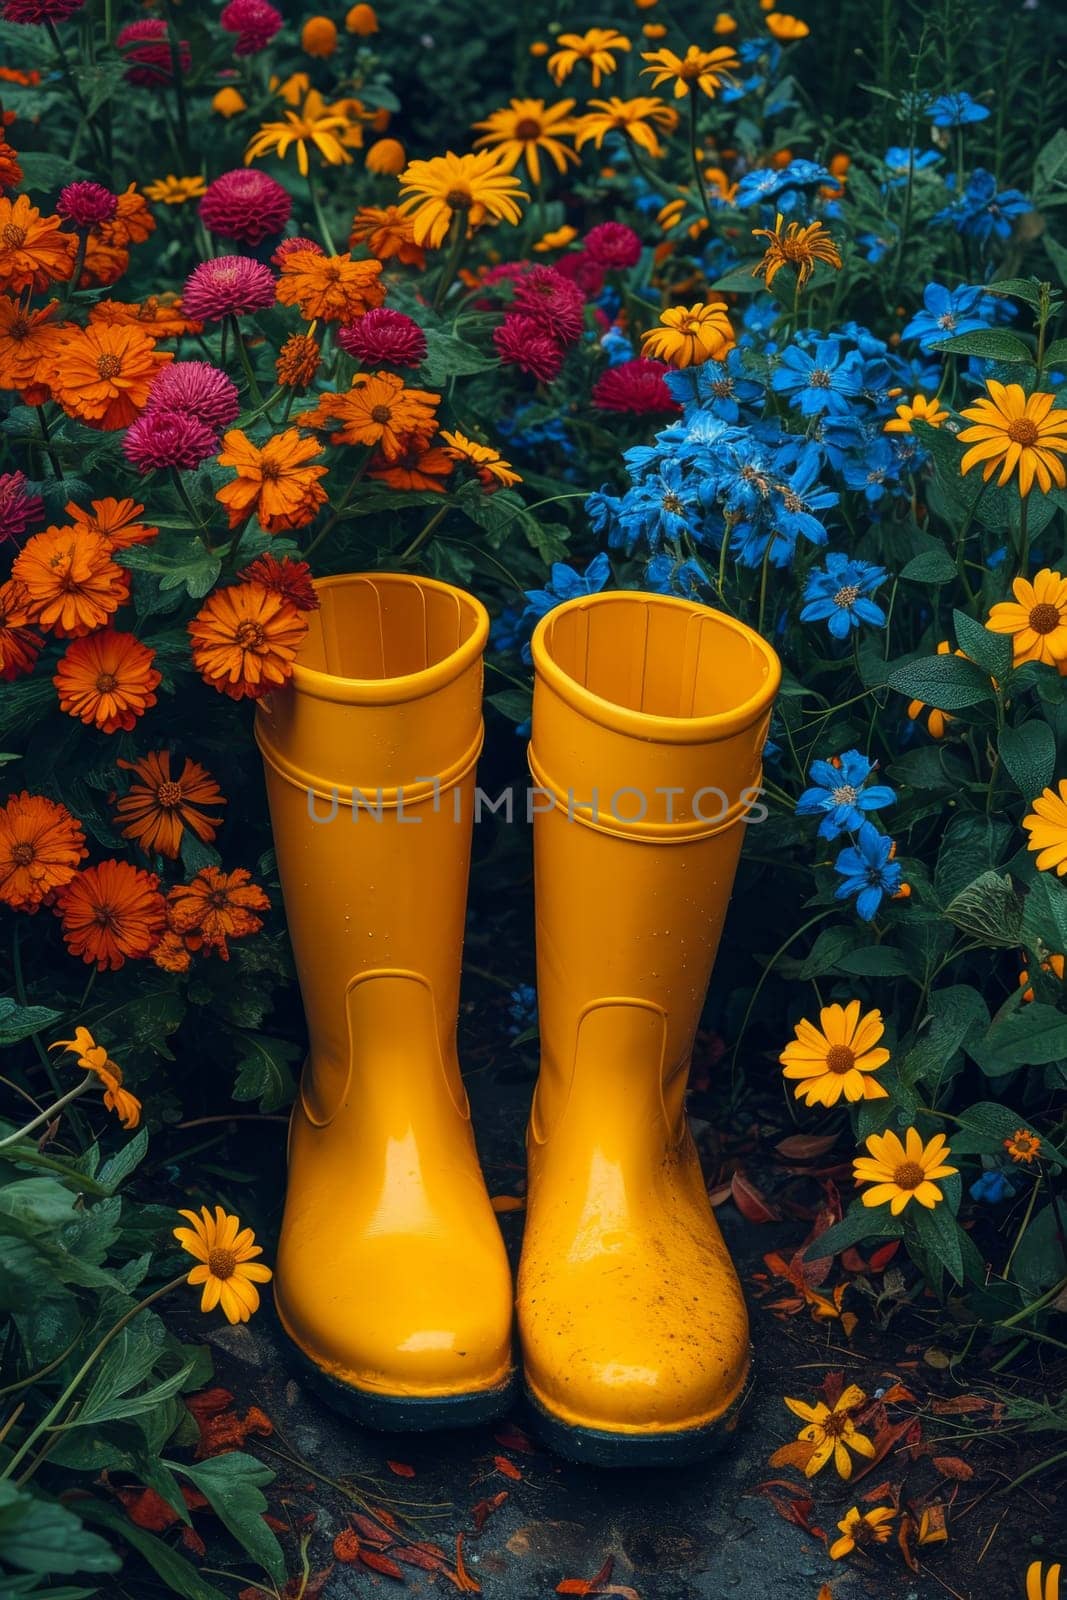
20,645
69,580
107,680
291,579
34,251
245,640
158,808
160,315
215,907
104,263
10,171
275,482
112,913
102,375
27,337
133,220
378,410
172,954
415,468
298,361
41,848
331,288
387,232
115,521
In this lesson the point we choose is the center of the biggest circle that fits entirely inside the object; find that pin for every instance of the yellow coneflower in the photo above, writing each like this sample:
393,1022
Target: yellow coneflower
488,464
799,246
316,126
832,1432
1024,1146
598,47
172,191
556,239
784,28
636,119
1047,827
523,129
471,186
92,1057
226,1265
859,1530
690,335
707,70
837,1057
919,409
901,1173
1036,619
1016,432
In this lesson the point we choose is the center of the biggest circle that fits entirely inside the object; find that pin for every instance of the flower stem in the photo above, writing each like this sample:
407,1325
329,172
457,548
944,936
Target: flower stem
46,441
79,262
183,496
254,389
335,516
425,535
47,1114
68,73
179,84
452,260
316,206
697,173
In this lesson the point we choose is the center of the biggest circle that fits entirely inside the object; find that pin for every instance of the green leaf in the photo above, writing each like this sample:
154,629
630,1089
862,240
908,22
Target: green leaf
515,704
875,961
120,1407
969,845
1057,350
449,357
991,344
954,1014
99,82
991,651
859,1222
1028,289
1045,915
177,1573
1040,1261
942,681
939,1236
990,909
263,1070
1029,755
1031,1036
42,170
117,1169
39,1535
987,1125
740,280
830,946
232,1484
195,568
932,566
19,1022
1050,168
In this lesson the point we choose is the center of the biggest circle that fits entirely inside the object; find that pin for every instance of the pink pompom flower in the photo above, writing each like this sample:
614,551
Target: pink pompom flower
634,386
383,335
255,22
19,510
227,286
612,245
147,49
39,11
160,438
585,273
553,302
197,389
87,204
246,204
522,342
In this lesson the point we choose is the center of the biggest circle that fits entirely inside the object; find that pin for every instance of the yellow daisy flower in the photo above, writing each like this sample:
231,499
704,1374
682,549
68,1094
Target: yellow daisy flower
706,69
784,28
521,130
597,46
837,1057
832,1432
861,1529
226,1264
317,126
172,191
904,1172
1047,827
690,335
724,23
1016,431
1036,619
1042,1585
488,464
800,246
636,119
474,186
919,409
92,1057
556,239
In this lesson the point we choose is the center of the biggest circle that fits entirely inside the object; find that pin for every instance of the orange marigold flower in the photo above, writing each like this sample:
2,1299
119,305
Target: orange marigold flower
104,263
93,1057
115,520
158,314
102,375
298,361
291,579
71,584
34,251
158,808
378,410
41,848
172,954
273,481
27,338
133,220
333,288
215,907
20,645
1024,1145
107,680
387,232
10,171
492,471
417,467
245,640
112,913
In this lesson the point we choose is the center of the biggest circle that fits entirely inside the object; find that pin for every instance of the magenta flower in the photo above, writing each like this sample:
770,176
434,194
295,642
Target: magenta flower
147,49
39,11
19,510
160,438
246,204
255,23
612,245
634,386
382,335
228,286
522,342
585,273
198,389
553,302
87,204
287,247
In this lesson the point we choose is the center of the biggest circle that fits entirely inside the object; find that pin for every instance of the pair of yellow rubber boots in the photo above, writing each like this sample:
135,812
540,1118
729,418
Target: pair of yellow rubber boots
392,1279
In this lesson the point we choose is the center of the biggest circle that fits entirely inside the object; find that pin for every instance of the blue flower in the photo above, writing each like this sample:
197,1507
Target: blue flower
901,162
838,795
839,595
666,575
602,509
875,246
665,506
947,312
874,470
617,347
992,1188
722,387
522,1009
955,110
826,380
506,631
982,211
867,872
782,183
566,584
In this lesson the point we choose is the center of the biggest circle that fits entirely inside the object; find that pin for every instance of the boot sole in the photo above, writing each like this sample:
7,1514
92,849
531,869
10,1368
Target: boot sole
596,1447
389,1413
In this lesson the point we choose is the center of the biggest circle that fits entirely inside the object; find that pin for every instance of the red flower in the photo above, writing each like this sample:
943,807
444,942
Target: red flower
522,342
161,438
18,509
87,204
382,335
288,578
246,204
198,388
553,302
634,386
253,21
151,62
227,286
580,267
612,245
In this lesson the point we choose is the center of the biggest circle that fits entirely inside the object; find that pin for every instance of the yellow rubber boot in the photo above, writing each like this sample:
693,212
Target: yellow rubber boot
649,719
391,1274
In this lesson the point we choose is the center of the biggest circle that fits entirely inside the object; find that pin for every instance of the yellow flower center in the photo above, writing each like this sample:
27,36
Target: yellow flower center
847,596
840,1059
108,366
908,1175
1022,431
169,794
845,796
528,128
12,235
249,636
106,682
221,1263
22,854
1045,618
